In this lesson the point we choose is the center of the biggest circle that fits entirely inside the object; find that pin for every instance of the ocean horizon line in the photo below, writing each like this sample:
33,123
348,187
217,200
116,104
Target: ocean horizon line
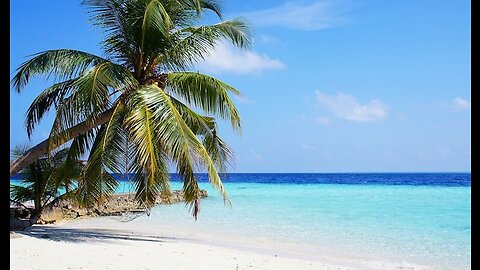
409,179
353,172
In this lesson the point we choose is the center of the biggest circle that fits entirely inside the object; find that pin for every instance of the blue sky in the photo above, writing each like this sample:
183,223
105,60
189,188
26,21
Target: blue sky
329,86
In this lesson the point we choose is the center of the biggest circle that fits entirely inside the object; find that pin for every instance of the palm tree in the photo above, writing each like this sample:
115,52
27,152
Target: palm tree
43,179
141,95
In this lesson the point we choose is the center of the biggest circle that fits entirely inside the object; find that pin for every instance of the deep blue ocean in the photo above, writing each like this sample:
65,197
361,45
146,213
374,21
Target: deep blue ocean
415,179
413,220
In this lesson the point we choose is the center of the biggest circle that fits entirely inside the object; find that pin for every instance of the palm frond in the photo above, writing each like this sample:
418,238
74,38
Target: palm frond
19,150
213,6
113,145
205,92
235,30
206,127
155,27
197,7
21,193
199,124
63,64
178,139
195,43
43,178
116,18
65,174
80,145
155,18
43,103
96,184
70,112
93,86
149,153
221,154
91,97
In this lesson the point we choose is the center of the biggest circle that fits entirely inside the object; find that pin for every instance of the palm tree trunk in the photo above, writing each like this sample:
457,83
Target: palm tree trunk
42,148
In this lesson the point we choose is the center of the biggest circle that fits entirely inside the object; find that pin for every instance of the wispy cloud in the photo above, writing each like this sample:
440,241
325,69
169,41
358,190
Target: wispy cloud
313,16
455,105
347,107
226,58
461,104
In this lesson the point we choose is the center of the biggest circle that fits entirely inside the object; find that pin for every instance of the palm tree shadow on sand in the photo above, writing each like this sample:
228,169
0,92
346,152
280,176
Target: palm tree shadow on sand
90,235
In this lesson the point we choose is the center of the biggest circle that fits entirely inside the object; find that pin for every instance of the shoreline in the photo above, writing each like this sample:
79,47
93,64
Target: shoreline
96,232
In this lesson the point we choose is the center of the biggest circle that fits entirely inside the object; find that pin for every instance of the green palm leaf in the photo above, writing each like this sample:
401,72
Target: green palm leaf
63,64
149,151
178,139
42,179
96,184
91,93
205,92
194,43
80,145
206,127
156,24
43,103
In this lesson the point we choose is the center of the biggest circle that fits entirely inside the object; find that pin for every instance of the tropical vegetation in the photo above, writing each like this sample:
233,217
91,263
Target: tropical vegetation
138,109
45,181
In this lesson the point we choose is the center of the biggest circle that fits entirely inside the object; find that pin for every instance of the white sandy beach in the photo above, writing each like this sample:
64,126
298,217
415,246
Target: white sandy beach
33,253
142,253
94,244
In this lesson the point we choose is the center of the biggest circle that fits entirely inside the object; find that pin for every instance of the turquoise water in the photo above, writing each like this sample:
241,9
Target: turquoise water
422,225
410,224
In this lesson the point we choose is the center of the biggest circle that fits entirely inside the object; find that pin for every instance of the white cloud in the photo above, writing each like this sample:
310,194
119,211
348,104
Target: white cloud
347,107
314,16
461,104
322,120
226,58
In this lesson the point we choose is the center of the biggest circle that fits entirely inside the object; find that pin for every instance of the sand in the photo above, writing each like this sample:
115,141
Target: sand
106,243
93,244
33,253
